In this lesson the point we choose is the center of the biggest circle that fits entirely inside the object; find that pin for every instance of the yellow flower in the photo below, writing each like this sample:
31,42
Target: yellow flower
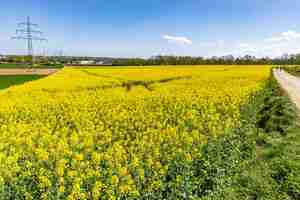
78,157
114,180
96,157
61,166
28,196
82,125
61,189
44,182
72,173
42,154
97,189
125,188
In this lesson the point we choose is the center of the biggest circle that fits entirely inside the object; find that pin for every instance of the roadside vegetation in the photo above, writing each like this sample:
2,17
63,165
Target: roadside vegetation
293,69
264,154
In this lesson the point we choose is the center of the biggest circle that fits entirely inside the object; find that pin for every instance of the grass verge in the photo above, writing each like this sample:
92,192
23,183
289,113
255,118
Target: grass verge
37,66
10,80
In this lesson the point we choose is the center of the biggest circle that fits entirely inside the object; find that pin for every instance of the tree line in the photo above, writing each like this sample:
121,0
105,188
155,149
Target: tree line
162,60
224,60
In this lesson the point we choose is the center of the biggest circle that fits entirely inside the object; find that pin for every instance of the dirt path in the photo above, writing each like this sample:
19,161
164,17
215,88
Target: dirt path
27,71
290,84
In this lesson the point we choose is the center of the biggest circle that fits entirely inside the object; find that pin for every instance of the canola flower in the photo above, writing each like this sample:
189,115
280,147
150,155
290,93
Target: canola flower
112,133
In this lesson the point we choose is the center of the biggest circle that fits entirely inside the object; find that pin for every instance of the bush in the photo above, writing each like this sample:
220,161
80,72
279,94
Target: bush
276,113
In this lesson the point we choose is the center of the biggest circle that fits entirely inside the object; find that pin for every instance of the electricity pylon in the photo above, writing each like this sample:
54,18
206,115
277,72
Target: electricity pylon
28,33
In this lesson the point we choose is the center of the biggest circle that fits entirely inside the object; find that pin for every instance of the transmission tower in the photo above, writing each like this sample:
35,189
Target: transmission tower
28,33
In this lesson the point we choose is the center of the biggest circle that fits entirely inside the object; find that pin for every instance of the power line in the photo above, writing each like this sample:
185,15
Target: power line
28,33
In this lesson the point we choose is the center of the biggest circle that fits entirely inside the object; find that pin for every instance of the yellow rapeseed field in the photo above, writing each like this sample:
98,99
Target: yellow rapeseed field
112,132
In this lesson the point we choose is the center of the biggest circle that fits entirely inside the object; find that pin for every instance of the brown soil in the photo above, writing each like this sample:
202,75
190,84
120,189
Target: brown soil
27,71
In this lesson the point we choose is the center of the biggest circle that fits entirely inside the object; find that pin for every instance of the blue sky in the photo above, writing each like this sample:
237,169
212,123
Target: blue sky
143,28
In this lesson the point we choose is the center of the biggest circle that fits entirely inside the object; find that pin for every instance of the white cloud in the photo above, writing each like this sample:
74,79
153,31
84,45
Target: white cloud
285,36
285,42
177,40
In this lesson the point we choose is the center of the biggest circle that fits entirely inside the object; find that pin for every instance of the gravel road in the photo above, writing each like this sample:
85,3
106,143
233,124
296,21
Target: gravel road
290,84
27,71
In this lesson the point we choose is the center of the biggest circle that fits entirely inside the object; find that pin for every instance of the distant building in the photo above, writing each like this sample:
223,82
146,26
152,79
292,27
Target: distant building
86,62
3,57
99,63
